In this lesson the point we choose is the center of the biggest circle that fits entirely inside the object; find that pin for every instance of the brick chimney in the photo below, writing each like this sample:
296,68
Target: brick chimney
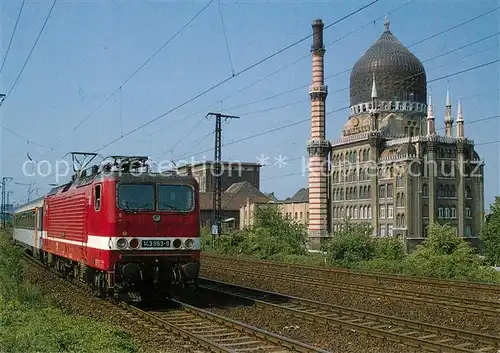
317,146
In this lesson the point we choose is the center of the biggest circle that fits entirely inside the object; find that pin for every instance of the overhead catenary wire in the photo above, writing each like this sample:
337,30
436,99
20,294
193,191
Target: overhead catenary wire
407,78
12,36
205,92
163,46
337,110
282,68
220,83
348,70
225,37
286,66
134,73
31,51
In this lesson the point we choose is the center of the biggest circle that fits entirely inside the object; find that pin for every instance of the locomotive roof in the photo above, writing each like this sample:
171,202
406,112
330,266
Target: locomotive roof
121,176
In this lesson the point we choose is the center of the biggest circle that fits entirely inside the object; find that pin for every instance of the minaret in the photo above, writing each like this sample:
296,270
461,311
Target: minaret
460,121
431,126
373,115
318,147
461,170
374,140
448,120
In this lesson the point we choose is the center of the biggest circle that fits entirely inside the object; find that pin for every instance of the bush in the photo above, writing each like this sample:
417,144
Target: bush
490,234
271,235
389,249
352,244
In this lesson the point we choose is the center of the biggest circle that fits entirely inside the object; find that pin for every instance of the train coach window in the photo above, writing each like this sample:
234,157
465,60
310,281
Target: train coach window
97,198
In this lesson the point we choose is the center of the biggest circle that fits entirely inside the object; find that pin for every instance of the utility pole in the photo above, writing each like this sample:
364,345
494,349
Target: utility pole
3,208
216,176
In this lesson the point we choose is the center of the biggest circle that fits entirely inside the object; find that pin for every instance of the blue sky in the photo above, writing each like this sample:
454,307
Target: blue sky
89,48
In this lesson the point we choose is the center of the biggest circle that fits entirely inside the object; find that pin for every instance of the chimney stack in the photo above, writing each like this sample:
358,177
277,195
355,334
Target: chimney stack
317,146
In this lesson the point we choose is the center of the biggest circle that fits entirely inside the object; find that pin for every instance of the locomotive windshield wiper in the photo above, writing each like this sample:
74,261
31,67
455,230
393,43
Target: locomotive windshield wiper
175,208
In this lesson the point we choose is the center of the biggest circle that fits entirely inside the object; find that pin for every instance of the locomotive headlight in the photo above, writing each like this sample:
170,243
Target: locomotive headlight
121,243
177,243
134,243
189,243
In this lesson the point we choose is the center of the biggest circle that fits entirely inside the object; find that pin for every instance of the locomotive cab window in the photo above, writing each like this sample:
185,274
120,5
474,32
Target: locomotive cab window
97,198
136,197
176,198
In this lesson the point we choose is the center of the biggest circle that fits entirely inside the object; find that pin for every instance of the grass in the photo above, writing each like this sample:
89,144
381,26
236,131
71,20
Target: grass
29,321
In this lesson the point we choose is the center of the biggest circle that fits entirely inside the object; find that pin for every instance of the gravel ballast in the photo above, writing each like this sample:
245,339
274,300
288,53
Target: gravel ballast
383,305
79,302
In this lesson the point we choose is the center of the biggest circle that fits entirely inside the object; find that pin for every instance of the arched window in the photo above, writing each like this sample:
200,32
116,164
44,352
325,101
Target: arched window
453,212
369,213
440,212
354,213
399,181
425,211
425,190
440,191
452,191
390,191
468,192
447,212
366,154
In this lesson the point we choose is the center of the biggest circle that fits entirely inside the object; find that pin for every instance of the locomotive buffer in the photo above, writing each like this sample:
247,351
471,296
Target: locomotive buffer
216,176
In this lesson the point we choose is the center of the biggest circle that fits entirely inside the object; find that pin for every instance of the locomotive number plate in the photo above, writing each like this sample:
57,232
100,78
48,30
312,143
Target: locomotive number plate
161,243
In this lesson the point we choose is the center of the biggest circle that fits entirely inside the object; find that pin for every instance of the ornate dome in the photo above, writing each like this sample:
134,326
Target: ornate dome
399,75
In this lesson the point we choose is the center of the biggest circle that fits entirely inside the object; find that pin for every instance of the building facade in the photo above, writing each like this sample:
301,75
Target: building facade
231,172
390,167
295,208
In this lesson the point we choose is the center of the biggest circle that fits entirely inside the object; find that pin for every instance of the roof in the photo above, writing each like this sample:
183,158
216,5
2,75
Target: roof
234,197
398,73
300,196
272,196
403,149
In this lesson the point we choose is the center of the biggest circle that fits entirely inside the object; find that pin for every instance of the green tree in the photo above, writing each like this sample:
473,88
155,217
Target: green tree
389,249
441,240
276,234
353,243
490,234
445,255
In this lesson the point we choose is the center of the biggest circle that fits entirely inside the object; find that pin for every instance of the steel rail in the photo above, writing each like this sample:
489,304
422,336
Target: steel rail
221,334
427,336
446,283
484,307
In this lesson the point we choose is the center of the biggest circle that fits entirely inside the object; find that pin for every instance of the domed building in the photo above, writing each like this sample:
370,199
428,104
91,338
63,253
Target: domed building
390,167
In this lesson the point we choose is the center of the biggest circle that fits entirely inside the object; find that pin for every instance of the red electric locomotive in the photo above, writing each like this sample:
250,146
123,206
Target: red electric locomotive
123,229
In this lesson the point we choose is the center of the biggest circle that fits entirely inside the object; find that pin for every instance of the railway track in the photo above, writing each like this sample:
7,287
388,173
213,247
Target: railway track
199,327
492,288
483,307
217,333
421,335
